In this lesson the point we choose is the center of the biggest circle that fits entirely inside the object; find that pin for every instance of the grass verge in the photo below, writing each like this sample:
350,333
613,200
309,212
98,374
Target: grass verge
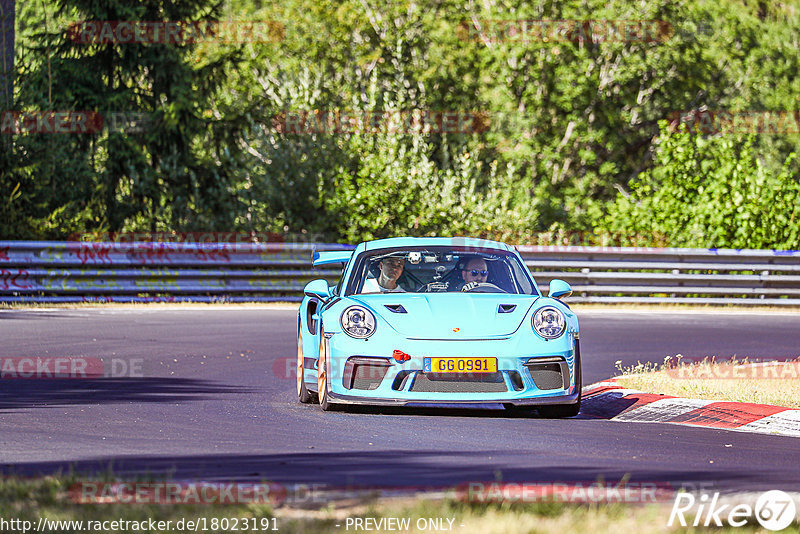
29,500
735,379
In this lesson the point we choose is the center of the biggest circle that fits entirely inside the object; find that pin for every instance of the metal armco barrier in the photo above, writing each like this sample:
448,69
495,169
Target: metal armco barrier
669,275
63,272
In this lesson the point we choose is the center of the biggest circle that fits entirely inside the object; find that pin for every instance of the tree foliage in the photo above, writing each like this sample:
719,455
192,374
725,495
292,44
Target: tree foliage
572,141
709,192
168,168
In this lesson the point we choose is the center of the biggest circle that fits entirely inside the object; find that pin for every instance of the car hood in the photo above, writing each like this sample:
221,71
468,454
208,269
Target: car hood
450,316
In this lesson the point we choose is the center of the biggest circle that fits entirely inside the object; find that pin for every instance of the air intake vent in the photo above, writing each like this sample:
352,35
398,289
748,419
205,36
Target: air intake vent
506,308
400,380
396,308
516,380
549,373
364,373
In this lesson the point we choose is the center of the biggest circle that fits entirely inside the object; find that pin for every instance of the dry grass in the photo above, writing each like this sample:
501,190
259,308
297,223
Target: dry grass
737,380
496,519
30,499
548,518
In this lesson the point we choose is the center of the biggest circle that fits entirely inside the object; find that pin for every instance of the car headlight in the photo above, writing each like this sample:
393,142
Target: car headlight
549,322
358,322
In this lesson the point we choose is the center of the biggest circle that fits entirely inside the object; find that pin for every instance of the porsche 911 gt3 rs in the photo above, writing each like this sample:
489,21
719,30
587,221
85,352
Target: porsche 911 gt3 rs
437,321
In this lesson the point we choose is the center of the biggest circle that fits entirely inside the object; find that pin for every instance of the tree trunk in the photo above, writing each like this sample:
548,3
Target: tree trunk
6,54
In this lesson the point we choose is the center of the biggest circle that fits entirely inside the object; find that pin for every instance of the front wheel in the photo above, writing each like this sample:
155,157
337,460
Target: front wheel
559,411
303,395
519,411
322,375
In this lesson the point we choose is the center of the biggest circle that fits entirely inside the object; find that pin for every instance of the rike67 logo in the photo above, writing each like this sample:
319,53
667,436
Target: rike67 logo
774,510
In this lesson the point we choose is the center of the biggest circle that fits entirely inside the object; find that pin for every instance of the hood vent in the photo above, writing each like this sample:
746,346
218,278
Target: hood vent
506,308
395,308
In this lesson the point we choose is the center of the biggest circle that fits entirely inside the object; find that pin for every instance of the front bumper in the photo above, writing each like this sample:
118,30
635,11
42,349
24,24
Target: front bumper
531,401
515,383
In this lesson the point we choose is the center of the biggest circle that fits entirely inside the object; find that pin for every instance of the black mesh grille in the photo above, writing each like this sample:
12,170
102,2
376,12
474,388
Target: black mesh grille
368,376
546,375
477,383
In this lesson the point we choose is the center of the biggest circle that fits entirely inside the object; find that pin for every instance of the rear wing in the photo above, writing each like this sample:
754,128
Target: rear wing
334,256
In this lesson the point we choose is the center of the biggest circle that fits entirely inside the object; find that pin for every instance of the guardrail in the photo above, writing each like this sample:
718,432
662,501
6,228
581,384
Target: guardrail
670,275
62,272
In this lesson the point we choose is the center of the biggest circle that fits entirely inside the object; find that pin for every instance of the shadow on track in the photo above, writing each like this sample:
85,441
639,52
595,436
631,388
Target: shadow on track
42,315
364,468
591,408
493,412
46,393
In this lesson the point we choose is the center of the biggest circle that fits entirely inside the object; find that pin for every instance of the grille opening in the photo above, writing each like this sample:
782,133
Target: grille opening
549,375
458,382
364,373
516,380
400,380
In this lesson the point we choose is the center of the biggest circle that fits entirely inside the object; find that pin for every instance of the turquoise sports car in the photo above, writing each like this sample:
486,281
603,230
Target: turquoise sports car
437,321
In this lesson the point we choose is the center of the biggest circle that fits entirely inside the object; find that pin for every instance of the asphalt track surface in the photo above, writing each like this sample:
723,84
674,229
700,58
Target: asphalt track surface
214,403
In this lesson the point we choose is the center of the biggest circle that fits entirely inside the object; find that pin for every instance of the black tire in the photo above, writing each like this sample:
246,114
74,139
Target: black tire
519,411
559,411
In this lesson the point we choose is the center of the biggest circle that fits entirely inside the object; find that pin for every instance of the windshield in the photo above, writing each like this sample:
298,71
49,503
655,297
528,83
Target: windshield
439,270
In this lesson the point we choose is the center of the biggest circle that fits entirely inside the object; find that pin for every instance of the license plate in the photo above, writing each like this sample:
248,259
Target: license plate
460,365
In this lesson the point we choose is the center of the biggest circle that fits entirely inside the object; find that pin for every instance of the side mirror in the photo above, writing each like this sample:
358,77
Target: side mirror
317,288
558,289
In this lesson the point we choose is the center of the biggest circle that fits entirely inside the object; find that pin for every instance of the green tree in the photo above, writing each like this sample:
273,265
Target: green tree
172,170
708,192
572,118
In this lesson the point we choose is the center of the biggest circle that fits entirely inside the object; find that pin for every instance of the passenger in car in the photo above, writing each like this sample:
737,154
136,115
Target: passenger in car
390,270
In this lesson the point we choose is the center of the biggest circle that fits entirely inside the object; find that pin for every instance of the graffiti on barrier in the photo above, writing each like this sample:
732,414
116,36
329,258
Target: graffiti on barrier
14,279
94,253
